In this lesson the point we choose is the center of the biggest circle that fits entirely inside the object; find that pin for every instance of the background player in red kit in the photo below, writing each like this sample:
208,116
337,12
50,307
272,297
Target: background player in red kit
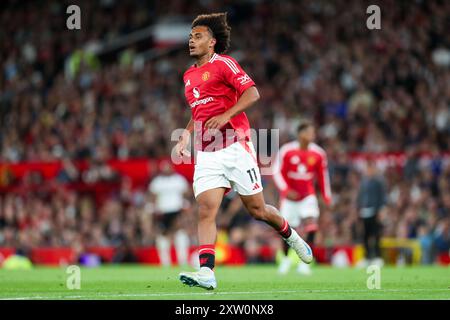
218,91
298,166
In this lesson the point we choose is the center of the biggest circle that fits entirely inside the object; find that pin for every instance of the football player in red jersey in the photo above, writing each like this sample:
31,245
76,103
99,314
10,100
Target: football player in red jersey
297,167
218,92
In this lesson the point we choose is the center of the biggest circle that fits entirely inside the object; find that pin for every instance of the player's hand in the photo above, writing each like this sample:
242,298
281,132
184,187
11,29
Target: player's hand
217,122
292,195
181,147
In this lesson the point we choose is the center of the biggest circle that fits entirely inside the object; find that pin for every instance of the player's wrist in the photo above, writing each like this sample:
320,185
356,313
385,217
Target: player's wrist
185,136
226,115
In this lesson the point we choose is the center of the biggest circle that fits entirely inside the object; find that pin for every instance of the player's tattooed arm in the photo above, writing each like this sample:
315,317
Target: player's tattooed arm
248,98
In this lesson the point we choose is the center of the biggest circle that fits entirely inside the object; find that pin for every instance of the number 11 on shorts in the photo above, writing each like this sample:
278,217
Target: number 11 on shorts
252,174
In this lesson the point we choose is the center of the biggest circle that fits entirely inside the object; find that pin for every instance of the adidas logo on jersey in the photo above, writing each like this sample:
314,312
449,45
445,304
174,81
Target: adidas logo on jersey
256,186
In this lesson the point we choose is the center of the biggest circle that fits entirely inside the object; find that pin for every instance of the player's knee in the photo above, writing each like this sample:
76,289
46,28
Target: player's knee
206,211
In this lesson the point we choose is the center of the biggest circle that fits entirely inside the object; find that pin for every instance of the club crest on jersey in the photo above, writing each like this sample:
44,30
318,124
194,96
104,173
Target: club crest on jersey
311,161
205,76
196,93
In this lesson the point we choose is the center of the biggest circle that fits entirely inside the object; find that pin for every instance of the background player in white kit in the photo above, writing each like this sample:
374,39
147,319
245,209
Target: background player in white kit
297,167
168,190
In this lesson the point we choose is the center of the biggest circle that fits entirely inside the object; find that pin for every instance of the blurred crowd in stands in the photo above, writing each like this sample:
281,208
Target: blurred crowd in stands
373,91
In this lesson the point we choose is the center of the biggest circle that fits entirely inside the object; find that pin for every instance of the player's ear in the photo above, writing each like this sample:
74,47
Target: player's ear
212,42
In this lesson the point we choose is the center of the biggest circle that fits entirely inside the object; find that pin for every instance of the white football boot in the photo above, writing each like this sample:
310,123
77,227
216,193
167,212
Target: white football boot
304,269
302,249
203,278
285,265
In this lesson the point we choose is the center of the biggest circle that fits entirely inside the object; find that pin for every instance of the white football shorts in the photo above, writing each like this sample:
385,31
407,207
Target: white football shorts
295,211
232,167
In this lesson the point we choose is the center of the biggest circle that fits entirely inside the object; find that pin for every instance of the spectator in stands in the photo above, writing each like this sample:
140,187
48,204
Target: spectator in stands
124,254
442,237
68,172
99,171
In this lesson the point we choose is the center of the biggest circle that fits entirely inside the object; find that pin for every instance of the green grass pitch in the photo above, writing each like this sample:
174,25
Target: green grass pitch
234,283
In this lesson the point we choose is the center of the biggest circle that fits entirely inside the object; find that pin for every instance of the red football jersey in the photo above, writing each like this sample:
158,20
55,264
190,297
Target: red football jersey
212,89
296,169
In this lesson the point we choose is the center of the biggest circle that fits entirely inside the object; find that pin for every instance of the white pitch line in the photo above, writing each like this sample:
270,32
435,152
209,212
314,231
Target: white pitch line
165,294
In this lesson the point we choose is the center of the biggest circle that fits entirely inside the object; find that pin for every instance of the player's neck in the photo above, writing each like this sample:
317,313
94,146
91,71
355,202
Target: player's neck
204,59
304,145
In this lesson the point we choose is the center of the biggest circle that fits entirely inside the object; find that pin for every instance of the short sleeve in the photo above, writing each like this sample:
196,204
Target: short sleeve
183,183
234,75
153,187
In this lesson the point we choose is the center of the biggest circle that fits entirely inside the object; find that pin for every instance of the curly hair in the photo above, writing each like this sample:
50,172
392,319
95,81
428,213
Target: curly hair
218,26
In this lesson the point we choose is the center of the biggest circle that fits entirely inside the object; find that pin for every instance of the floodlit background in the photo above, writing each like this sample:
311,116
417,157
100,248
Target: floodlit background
86,117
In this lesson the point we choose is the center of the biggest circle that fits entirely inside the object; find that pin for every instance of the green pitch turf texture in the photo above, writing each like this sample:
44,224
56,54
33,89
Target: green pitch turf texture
234,283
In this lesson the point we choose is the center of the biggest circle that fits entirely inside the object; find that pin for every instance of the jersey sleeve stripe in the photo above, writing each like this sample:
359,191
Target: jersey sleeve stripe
235,71
317,148
232,63
279,181
277,176
327,186
228,64
326,177
214,56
